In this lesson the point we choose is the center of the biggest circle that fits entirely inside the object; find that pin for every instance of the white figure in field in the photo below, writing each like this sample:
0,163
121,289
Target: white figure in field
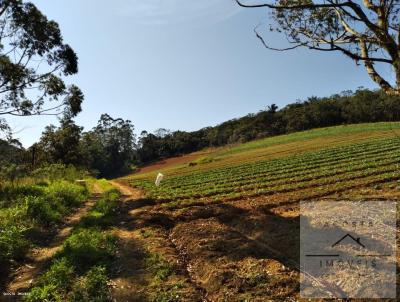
159,179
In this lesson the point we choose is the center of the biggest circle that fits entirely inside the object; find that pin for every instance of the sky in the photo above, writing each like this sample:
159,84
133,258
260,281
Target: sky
182,65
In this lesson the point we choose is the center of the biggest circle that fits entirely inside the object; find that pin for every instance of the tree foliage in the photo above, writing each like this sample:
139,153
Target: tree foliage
362,106
34,61
109,148
366,31
60,145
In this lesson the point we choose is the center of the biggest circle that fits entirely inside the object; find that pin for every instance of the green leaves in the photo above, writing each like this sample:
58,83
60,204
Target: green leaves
33,56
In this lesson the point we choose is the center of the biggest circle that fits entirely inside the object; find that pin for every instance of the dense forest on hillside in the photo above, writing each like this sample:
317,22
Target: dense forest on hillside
112,148
348,107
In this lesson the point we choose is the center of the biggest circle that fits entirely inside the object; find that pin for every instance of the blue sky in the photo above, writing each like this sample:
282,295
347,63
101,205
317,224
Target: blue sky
181,64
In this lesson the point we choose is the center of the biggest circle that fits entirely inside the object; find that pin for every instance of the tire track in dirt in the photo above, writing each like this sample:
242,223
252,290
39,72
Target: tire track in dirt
200,269
37,259
131,274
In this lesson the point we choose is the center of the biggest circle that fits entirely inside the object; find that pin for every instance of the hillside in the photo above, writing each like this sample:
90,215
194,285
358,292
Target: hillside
224,224
346,108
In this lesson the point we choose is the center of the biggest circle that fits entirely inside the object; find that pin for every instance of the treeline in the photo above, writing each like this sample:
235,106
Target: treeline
107,150
361,106
111,148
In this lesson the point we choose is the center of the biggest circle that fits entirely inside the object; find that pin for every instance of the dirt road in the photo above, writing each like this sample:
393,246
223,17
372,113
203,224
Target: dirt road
215,252
37,259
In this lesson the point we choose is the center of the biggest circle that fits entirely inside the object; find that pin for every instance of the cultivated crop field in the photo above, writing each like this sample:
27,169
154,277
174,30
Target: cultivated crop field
359,159
228,222
334,170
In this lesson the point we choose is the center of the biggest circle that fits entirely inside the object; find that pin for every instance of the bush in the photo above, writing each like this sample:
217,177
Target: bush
48,292
51,202
10,195
40,209
92,287
13,244
55,172
103,211
54,284
12,172
88,247
61,274
108,203
70,195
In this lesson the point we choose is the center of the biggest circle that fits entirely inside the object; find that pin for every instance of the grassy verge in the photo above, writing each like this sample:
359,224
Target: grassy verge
29,209
102,184
79,271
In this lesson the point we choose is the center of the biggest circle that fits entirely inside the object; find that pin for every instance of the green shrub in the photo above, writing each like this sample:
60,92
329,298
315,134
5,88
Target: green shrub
112,194
88,247
70,195
41,210
56,172
42,293
11,195
103,211
13,244
108,203
92,287
50,203
95,219
61,274
54,284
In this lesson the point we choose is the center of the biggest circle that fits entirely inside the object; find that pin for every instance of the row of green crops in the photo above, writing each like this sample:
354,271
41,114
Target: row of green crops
26,209
312,134
325,171
80,270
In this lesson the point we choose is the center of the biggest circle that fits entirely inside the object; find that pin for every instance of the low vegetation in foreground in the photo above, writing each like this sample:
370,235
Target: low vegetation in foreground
81,269
32,207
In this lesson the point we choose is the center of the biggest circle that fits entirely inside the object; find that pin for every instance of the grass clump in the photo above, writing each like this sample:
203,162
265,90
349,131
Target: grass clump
88,247
104,210
54,284
108,203
61,283
80,270
160,267
54,202
14,225
92,287
168,295
24,208
68,194
12,195
13,245
43,211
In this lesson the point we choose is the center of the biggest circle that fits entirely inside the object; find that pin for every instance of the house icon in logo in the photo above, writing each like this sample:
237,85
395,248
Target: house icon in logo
356,240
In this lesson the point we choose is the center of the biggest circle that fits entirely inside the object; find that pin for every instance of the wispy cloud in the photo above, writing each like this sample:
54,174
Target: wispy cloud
155,12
